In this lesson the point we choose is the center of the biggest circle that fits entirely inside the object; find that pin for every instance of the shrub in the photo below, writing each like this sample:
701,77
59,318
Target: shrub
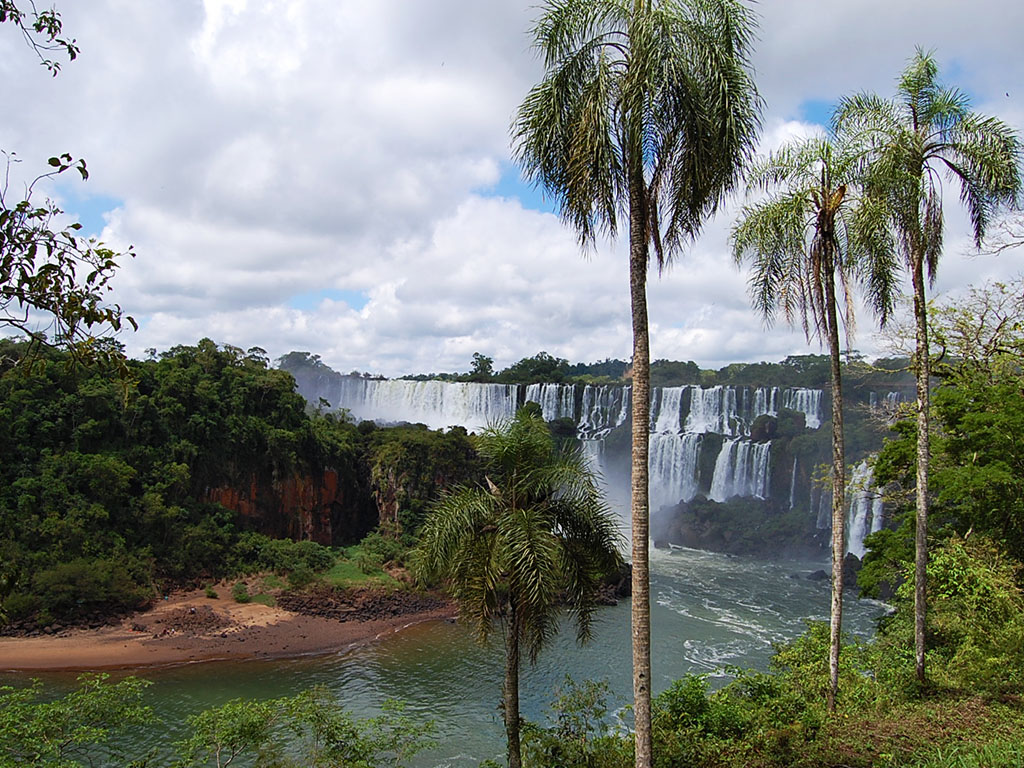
254,551
301,577
975,617
383,549
581,735
84,585
240,592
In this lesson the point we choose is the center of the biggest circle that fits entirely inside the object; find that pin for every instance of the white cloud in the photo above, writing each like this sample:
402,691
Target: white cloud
263,150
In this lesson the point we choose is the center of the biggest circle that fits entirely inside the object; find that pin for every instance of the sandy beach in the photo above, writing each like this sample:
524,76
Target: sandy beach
189,627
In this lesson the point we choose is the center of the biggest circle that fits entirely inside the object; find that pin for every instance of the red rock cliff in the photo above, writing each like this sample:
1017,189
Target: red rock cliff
297,506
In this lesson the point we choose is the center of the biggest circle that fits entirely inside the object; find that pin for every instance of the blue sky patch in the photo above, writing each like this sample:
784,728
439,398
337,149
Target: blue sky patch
817,111
511,185
308,301
88,209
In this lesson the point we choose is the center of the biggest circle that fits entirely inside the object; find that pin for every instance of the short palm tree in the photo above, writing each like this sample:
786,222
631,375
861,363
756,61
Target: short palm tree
647,112
926,132
812,228
534,536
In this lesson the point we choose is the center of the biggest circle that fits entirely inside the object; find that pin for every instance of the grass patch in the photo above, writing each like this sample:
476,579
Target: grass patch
350,573
273,581
264,599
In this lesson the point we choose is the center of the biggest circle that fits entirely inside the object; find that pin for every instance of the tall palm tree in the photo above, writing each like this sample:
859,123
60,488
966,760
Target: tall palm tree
812,228
647,112
534,534
926,131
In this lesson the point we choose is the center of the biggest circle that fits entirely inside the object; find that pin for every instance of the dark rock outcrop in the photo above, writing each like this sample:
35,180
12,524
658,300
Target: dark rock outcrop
318,507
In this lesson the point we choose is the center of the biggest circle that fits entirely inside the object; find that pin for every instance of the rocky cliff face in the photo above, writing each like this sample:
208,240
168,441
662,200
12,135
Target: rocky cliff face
320,506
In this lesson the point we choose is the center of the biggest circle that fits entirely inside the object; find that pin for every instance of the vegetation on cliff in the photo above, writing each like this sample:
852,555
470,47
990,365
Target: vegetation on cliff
107,496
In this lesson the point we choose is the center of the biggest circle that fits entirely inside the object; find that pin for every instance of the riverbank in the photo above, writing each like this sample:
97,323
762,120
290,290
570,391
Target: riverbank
189,627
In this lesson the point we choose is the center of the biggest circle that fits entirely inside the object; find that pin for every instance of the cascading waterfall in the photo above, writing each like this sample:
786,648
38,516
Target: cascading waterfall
865,510
666,409
556,401
807,401
792,486
438,404
680,416
824,517
604,408
712,410
673,468
766,400
740,470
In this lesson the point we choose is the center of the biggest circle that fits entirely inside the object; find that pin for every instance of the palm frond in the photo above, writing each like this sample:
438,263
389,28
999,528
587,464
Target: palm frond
536,528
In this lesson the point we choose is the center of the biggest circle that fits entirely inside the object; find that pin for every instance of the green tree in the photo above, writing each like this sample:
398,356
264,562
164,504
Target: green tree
647,111
534,534
812,228
977,464
72,730
482,369
52,281
928,129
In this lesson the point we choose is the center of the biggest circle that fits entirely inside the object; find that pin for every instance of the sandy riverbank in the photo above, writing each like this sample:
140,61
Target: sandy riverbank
190,627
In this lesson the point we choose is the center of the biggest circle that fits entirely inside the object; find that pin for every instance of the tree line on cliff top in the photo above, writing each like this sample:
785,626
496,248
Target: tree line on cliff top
105,495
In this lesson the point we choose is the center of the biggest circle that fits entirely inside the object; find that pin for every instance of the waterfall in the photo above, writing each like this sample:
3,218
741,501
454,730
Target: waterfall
438,404
792,485
740,470
604,409
864,514
673,468
592,454
807,401
557,401
666,410
712,410
766,401
824,517
679,417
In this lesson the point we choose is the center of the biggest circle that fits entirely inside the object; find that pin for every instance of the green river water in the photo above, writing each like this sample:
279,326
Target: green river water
708,610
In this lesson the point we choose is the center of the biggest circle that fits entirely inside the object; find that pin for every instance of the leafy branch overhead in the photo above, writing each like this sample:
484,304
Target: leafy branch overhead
53,281
42,31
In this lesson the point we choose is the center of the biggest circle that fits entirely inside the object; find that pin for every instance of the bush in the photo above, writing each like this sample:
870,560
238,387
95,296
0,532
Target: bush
301,577
19,606
240,592
85,585
581,735
256,552
975,617
686,704
383,549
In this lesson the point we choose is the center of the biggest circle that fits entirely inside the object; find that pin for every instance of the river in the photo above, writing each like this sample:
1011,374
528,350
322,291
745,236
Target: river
708,610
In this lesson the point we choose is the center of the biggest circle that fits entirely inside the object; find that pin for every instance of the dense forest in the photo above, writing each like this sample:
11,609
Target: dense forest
113,490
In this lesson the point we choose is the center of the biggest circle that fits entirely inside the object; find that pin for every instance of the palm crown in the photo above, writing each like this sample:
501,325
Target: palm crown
639,92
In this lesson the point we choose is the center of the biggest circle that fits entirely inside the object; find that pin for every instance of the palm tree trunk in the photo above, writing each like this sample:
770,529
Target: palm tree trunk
838,488
639,478
923,372
511,697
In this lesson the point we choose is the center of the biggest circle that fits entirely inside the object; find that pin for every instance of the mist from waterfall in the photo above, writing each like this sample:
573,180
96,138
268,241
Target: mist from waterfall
679,417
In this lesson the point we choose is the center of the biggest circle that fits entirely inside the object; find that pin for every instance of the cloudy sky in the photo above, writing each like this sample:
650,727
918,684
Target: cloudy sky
334,176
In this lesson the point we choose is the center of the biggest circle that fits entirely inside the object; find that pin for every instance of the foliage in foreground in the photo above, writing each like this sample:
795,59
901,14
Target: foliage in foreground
972,714
308,730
